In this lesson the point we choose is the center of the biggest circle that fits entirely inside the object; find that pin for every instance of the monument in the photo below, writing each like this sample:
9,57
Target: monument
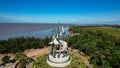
58,56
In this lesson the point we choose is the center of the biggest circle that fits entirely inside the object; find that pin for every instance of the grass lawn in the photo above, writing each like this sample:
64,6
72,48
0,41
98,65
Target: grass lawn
41,62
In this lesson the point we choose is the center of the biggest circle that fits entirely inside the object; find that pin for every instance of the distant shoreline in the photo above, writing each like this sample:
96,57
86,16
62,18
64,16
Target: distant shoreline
66,24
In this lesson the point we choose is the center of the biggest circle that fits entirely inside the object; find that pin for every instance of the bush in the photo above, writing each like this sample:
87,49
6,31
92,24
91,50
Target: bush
6,59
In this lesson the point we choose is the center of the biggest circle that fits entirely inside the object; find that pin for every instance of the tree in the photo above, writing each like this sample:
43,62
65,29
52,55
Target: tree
22,60
6,59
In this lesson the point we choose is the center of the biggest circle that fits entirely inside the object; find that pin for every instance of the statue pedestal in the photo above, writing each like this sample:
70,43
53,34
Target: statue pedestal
59,62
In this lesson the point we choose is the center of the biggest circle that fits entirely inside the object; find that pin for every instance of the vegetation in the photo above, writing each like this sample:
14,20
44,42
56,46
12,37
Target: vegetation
41,62
102,44
5,59
22,60
22,43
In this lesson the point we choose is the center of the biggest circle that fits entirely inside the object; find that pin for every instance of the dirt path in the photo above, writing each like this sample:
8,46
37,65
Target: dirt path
46,51
81,55
34,53
31,53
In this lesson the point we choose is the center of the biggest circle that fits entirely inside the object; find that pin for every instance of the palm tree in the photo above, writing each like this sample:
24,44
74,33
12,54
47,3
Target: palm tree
22,60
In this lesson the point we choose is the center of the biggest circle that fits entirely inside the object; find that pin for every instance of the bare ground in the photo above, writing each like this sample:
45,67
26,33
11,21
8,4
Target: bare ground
34,53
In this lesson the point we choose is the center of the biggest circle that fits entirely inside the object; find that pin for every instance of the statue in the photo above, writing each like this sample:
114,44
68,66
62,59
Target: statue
59,48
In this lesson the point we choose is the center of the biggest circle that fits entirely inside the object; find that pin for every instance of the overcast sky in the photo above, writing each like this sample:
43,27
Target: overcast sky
64,11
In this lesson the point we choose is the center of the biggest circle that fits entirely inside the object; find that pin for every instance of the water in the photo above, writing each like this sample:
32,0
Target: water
40,31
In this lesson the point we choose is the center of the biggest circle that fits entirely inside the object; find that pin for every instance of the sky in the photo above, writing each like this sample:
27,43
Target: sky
63,11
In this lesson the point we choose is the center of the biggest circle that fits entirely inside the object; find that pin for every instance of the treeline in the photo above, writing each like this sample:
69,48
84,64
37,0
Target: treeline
100,25
20,44
102,47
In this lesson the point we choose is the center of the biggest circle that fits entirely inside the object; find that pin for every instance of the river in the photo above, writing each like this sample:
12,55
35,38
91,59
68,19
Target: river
27,30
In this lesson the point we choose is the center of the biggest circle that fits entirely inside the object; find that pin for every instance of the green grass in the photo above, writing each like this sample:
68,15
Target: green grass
109,30
41,62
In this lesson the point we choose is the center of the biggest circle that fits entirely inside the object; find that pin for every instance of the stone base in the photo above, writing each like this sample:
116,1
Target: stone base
59,62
